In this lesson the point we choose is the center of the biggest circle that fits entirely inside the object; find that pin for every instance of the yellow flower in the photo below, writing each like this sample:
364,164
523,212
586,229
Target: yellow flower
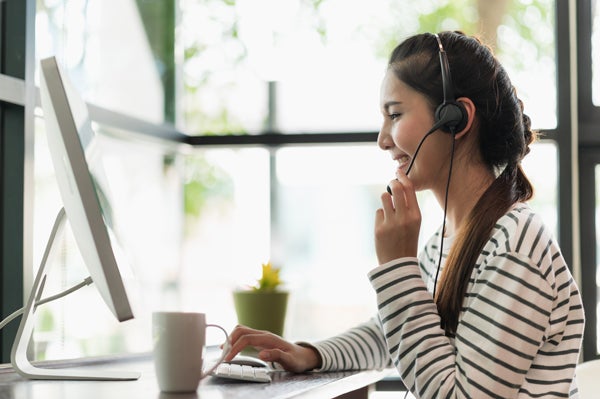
269,280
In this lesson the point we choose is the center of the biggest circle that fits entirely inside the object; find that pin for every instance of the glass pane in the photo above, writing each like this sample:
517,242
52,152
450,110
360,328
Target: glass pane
103,46
224,84
526,42
227,231
541,167
328,65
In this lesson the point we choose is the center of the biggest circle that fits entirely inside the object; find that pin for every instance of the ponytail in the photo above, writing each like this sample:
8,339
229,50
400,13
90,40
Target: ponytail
510,187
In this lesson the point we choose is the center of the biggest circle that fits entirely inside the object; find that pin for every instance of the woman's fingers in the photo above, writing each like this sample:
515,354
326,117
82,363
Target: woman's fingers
387,204
257,339
242,337
398,221
272,348
410,195
403,194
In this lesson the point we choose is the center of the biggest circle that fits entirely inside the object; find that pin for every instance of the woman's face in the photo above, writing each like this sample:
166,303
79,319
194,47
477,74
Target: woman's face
407,117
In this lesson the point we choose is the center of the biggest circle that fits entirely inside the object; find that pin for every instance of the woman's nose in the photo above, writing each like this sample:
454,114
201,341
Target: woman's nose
384,140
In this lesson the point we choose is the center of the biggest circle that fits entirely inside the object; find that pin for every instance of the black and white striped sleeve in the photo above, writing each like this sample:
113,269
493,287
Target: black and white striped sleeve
359,348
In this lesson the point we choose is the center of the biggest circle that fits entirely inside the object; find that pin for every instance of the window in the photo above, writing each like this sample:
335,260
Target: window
196,222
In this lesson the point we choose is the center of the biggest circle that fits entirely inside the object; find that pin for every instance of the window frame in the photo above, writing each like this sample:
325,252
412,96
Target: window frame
17,103
588,159
588,141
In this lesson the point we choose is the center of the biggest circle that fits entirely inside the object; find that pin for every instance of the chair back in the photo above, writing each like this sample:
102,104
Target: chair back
587,375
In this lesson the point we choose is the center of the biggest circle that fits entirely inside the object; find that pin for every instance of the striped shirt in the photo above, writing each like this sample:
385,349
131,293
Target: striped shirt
519,332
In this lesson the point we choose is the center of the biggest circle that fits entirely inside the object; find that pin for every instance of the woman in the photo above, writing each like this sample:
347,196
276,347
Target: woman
503,317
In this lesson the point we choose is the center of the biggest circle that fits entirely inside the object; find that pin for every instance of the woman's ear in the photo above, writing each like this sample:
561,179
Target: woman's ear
470,109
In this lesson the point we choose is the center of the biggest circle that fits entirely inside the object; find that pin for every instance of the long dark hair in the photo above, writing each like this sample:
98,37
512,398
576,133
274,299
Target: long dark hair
504,137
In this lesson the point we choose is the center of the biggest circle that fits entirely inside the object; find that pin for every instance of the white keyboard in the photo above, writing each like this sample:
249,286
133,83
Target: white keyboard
245,373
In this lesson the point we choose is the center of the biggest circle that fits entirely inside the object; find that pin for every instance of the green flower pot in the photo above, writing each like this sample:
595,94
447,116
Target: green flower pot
262,310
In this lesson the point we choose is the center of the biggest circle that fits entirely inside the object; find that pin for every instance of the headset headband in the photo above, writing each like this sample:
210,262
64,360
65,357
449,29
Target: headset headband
446,78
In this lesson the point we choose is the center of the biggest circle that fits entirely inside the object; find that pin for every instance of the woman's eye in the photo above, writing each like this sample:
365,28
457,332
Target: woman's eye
394,116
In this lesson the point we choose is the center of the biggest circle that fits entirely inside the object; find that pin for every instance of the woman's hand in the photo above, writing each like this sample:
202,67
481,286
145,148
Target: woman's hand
273,348
397,224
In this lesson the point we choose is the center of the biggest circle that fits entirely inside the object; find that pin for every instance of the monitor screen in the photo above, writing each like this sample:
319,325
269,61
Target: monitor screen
70,136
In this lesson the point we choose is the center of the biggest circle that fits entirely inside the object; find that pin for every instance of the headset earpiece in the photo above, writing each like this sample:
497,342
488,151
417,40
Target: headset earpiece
450,113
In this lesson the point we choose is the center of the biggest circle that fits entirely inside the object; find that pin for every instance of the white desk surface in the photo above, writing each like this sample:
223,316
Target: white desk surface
284,385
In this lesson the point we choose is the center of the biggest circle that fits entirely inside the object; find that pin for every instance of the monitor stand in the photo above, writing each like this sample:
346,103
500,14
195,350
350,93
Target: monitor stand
18,355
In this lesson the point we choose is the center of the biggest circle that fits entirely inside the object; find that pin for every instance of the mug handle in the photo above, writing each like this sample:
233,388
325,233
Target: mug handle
226,348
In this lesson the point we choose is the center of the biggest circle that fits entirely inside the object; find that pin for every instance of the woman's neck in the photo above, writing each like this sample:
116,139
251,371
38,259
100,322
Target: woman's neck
467,185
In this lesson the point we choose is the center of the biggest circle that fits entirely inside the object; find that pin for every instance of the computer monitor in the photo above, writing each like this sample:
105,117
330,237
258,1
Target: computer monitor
70,135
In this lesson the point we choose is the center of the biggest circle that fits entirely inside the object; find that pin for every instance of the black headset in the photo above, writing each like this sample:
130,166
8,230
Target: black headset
451,117
451,114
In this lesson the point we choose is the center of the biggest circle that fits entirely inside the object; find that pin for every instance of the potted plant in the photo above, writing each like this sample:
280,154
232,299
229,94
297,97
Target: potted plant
263,306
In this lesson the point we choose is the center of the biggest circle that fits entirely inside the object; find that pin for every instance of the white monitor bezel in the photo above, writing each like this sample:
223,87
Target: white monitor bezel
66,117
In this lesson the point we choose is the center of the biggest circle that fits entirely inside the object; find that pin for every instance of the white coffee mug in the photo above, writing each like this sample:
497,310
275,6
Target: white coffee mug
179,340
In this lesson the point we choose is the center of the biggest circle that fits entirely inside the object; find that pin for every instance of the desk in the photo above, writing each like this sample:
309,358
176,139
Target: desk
344,384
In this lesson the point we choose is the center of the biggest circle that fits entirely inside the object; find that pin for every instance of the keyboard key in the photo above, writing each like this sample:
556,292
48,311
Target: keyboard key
244,373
